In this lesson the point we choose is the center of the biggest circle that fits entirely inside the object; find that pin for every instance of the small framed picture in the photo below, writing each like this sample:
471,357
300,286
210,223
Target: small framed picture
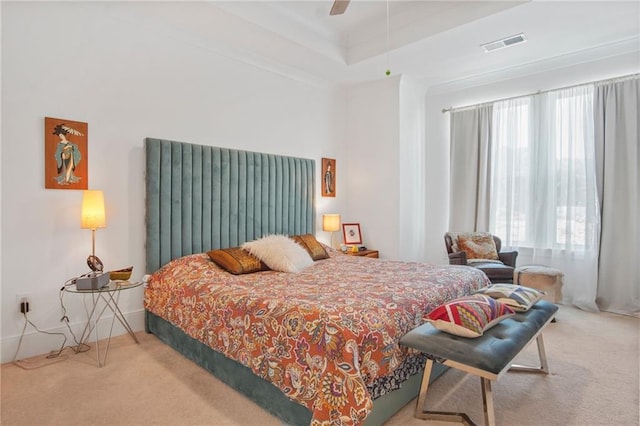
351,233
328,177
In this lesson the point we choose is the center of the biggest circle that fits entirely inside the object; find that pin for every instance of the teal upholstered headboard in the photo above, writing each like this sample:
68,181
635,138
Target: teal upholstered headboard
202,197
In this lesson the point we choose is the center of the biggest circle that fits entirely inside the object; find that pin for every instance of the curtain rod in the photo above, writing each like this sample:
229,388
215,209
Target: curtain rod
625,77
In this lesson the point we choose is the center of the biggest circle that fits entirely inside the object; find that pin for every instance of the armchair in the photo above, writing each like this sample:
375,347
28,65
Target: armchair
498,266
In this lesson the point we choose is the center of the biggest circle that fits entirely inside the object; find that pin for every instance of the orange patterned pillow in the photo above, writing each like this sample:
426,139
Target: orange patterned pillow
237,261
478,245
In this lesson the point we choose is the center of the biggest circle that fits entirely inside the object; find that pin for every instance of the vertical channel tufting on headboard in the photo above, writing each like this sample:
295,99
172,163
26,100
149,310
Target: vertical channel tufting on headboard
201,197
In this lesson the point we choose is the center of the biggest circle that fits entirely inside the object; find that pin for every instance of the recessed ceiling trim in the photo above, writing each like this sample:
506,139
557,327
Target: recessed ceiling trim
504,42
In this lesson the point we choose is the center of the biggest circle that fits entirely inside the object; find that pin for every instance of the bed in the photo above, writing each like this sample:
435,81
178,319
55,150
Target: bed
316,347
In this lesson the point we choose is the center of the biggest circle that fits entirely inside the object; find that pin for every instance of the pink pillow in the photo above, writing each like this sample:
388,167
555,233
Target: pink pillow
469,316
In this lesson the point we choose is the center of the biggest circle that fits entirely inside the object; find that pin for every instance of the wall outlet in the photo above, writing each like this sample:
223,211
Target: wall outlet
23,298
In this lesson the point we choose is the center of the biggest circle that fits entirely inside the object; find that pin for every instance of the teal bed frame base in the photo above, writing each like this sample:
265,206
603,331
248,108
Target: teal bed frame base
262,392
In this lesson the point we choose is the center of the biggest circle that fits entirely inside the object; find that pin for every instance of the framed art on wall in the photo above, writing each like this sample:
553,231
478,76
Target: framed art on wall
328,177
351,233
65,154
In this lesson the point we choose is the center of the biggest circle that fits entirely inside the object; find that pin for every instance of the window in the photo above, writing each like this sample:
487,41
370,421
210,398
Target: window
543,192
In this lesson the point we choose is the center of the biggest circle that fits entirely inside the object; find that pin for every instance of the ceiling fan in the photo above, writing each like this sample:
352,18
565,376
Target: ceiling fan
339,7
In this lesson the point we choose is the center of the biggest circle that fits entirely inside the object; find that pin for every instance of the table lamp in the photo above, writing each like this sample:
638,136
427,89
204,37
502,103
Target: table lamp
331,223
93,217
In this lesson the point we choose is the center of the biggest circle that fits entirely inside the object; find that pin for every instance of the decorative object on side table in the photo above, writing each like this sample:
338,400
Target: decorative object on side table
121,274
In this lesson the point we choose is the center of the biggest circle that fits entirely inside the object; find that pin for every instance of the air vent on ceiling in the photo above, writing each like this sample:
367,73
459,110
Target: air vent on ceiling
505,42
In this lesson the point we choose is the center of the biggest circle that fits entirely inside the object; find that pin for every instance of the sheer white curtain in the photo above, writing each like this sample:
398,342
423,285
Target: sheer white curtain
543,186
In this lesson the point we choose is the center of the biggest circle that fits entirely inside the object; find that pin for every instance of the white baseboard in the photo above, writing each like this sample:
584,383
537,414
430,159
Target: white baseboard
35,343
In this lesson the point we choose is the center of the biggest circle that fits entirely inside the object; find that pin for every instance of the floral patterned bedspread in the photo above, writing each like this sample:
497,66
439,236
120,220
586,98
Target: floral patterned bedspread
321,336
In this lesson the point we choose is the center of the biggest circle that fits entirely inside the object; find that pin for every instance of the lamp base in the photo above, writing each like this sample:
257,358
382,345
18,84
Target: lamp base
333,244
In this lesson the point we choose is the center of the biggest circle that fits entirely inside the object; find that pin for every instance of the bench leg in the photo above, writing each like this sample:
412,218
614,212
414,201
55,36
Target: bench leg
422,413
487,402
544,367
424,386
487,395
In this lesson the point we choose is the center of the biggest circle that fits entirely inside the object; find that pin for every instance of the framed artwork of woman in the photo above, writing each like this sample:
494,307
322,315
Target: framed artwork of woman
328,177
65,154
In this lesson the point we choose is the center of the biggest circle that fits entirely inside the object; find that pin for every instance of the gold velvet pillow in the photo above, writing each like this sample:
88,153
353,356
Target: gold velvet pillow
313,247
237,261
478,245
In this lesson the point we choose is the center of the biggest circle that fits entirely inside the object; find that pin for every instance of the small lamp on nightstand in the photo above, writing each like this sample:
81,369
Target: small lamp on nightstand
331,223
93,217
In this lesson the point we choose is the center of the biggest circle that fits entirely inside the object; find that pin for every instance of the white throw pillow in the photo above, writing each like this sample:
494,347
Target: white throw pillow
279,253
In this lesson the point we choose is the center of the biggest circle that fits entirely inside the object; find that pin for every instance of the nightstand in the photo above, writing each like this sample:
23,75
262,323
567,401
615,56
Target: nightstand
110,296
364,253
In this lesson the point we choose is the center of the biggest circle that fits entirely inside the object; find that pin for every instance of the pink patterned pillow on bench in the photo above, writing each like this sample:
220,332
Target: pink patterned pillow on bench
469,316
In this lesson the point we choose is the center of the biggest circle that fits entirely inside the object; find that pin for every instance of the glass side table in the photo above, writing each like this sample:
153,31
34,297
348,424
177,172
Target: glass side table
110,296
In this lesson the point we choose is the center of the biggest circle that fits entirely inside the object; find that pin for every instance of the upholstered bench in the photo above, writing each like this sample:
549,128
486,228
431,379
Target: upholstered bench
488,356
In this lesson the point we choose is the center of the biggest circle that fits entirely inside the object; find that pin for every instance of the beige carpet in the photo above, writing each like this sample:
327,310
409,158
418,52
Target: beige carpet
594,381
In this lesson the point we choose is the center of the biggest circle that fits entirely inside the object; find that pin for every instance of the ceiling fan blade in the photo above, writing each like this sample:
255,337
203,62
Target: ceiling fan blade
339,6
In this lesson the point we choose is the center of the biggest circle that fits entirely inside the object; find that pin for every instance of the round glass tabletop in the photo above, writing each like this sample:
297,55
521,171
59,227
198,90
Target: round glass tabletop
111,287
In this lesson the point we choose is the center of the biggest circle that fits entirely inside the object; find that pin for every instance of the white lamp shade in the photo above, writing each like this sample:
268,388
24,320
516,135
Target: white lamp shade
93,215
331,222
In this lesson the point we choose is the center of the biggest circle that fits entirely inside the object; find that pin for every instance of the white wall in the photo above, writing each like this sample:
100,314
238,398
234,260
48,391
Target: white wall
437,124
413,184
89,62
385,150
372,174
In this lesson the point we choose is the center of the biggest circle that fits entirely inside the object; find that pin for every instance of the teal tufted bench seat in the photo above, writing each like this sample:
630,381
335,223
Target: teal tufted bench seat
488,356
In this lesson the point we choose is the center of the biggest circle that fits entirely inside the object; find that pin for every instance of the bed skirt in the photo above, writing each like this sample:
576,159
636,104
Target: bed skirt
264,393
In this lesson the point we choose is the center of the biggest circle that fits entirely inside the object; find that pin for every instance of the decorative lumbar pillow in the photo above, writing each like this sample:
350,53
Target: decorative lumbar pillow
478,245
313,247
237,261
476,261
279,253
520,298
469,316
